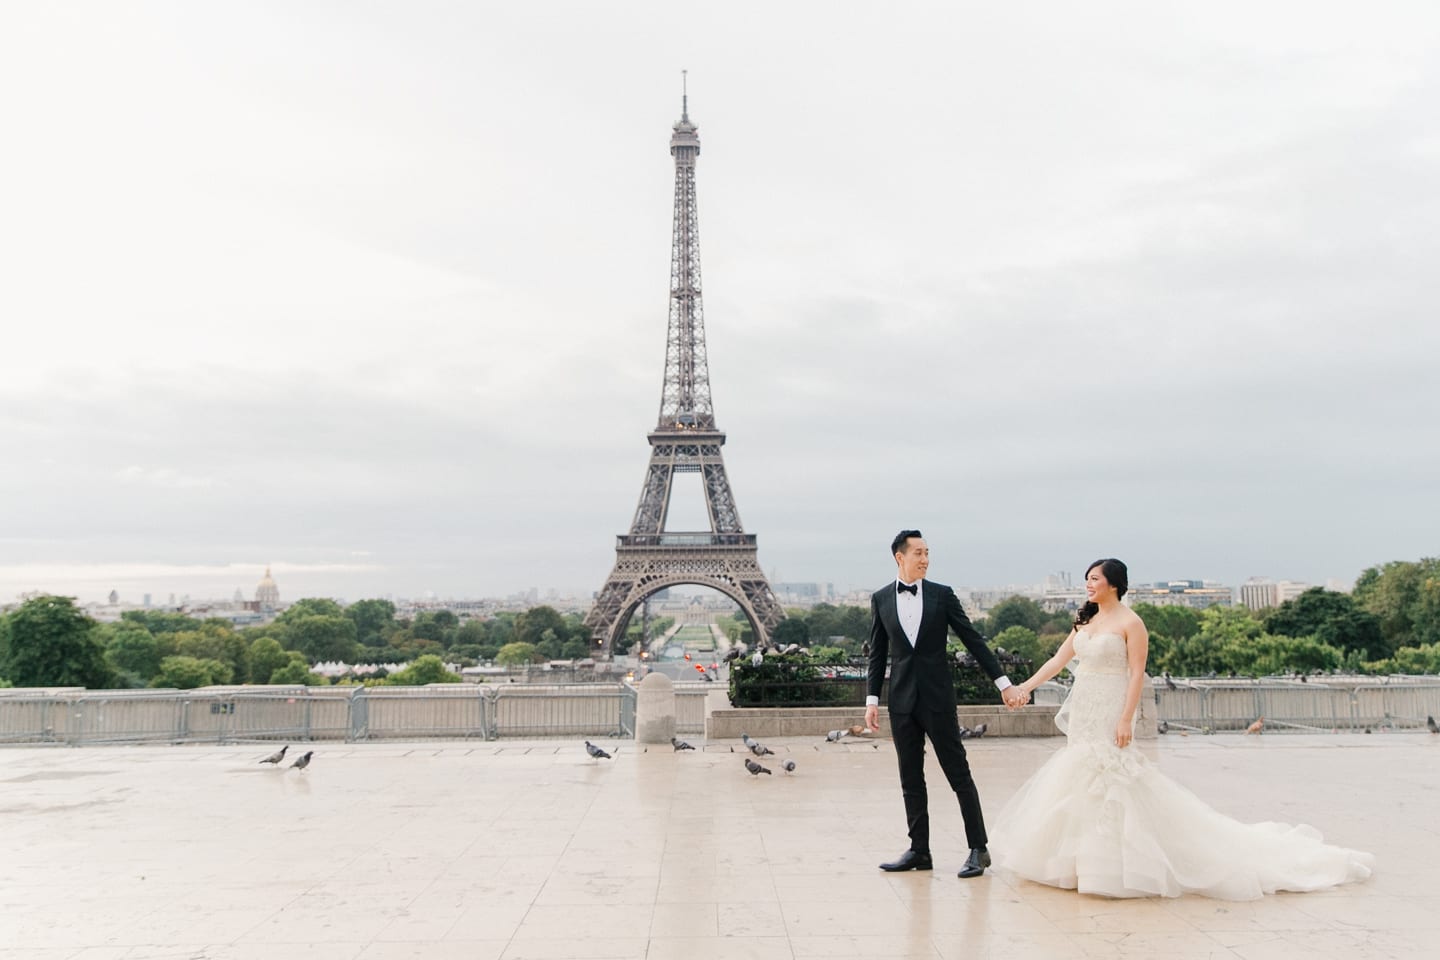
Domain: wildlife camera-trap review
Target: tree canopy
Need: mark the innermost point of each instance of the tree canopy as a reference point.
(49, 642)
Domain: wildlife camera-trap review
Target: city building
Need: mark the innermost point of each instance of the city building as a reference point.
(804, 594)
(267, 594)
(1197, 594)
(1060, 594)
(1260, 593)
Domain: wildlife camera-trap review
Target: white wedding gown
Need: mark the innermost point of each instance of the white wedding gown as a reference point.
(1103, 820)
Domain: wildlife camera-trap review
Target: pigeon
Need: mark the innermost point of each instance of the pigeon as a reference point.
(754, 768)
(303, 760)
(834, 736)
(1257, 727)
(596, 752)
(1169, 684)
(757, 659)
(789, 766)
(755, 746)
(680, 745)
(789, 649)
(732, 654)
(1432, 725)
(974, 734)
(1164, 727)
(277, 756)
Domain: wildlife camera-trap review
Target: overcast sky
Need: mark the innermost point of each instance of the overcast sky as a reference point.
(377, 292)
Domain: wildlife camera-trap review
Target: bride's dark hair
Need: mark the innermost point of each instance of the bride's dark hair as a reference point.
(1115, 574)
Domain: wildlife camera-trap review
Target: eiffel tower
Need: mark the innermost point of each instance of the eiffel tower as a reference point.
(686, 440)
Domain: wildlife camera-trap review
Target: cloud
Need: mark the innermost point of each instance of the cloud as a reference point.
(395, 289)
(162, 477)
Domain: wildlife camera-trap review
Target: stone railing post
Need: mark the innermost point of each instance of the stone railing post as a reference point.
(655, 709)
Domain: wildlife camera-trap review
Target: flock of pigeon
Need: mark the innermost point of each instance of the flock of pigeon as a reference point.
(761, 751)
(301, 762)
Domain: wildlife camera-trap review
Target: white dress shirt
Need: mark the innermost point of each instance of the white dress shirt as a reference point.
(909, 608)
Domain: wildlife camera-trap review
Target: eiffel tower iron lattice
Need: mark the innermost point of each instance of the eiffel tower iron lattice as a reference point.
(686, 440)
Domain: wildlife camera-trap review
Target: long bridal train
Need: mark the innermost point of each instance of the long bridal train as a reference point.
(1102, 820)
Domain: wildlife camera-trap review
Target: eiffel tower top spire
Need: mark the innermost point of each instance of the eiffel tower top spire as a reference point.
(685, 398)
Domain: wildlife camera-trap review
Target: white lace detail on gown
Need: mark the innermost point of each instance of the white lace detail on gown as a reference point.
(1106, 821)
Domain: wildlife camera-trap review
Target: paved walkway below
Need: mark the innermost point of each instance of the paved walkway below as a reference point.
(506, 850)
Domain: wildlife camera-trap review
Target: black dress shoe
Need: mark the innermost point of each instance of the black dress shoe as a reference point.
(976, 863)
(909, 860)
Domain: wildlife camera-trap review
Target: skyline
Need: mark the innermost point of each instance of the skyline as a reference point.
(378, 295)
(212, 585)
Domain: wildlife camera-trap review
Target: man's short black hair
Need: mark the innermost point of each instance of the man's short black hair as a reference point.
(899, 545)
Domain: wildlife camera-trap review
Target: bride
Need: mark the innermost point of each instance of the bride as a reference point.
(1099, 818)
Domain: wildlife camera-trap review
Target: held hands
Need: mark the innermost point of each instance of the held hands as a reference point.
(1015, 697)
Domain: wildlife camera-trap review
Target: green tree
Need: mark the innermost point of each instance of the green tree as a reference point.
(792, 629)
(374, 620)
(267, 656)
(516, 654)
(500, 629)
(575, 649)
(1024, 642)
(296, 672)
(133, 649)
(1015, 612)
(1222, 644)
(427, 627)
(216, 640)
(472, 633)
(323, 637)
(531, 625)
(1270, 654)
(1332, 619)
(48, 642)
(1406, 597)
(426, 669)
(187, 673)
(1172, 623)
(1411, 660)
(161, 622)
(310, 607)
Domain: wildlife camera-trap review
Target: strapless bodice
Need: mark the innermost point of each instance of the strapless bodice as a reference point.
(1101, 653)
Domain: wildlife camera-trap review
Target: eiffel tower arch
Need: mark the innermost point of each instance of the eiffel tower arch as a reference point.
(650, 558)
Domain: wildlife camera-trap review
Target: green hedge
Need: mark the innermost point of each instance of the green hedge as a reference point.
(830, 680)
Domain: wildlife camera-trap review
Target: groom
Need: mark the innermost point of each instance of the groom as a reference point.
(911, 618)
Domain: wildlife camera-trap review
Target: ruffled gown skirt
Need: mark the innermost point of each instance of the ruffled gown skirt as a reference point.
(1102, 820)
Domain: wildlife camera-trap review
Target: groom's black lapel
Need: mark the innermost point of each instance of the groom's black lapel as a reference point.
(929, 610)
(890, 613)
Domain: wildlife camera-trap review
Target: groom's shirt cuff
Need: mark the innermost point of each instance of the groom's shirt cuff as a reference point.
(872, 701)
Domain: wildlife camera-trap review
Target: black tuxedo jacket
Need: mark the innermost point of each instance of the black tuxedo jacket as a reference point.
(920, 676)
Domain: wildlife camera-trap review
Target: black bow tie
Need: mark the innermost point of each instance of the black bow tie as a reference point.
(908, 588)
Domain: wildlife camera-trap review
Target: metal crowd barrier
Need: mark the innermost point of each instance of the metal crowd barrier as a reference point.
(234, 714)
(1324, 704)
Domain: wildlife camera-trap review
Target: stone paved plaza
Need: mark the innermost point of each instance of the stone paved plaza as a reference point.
(533, 850)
